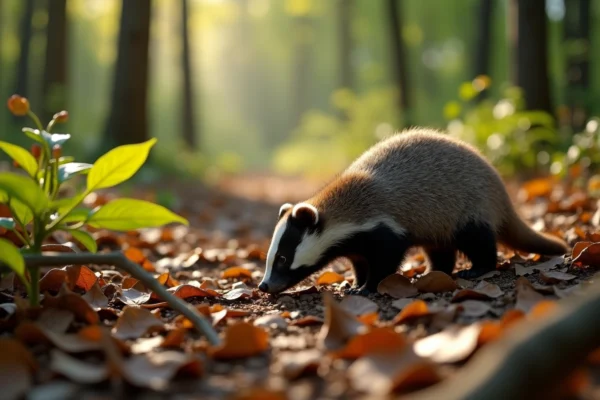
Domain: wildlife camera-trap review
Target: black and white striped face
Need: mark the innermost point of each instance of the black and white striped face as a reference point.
(295, 249)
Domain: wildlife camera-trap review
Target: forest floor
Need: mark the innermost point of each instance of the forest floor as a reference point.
(301, 344)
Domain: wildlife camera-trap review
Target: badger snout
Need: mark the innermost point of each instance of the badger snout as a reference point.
(264, 287)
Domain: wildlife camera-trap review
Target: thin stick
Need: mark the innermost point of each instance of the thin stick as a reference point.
(120, 261)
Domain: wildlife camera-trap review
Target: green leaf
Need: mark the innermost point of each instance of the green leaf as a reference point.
(35, 135)
(7, 223)
(20, 211)
(78, 215)
(85, 239)
(25, 190)
(128, 214)
(118, 165)
(67, 171)
(55, 138)
(11, 256)
(22, 157)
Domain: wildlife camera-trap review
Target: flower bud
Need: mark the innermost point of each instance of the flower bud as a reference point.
(36, 150)
(61, 117)
(18, 105)
(56, 151)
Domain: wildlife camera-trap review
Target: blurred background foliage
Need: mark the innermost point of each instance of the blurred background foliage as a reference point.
(304, 86)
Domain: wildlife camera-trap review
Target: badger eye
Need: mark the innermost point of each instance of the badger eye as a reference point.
(280, 260)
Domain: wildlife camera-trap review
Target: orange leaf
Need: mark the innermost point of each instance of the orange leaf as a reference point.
(241, 340)
(174, 338)
(237, 272)
(416, 309)
(186, 291)
(369, 319)
(136, 255)
(309, 320)
(130, 282)
(510, 317)
(329, 277)
(66, 300)
(490, 331)
(589, 255)
(543, 308)
(167, 280)
(382, 340)
(537, 188)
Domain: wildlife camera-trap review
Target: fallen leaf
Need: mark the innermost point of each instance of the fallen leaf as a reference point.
(521, 270)
(237, 272)
(146, 345)
(553, 277)
(241, 340)
(186, 291)
(527, 296)
(550, 264)
(489, 275)
(82, 277)
(135, 322)
(380, 374)
(542, 308)
(359, 305)
(129, 283)
(174, 338)
(564, 293)
(271, 321)
(77, 370)
(16, 368)
(541, 187)
(95, 297)
(167, 280)
(464, 284)
(66, 300)
(415, 309)
(483, 290)
(490, 331)
(156, 370)
(238, 294)
(397, 286)
(329, 277)
(475, 308)
(340, 325)
(56, 320)
(451, 345)
(309, 320)
(133, 297)
(136, 255)
(510, 317)
(435, 282)
(401, 303)
(299, 363)
(383, 340)
(579, 247)
(259, 393)
(220, 315)
(33, 333)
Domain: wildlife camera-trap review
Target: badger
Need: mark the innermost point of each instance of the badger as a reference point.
(419, 187)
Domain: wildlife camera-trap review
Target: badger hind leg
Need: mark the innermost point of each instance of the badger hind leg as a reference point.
(477, 241)
(441, 259)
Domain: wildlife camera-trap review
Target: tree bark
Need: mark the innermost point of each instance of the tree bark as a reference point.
(128, 120)
(577, 41)
(484, 41)
(345, 42)
(54, 89)
(22, 86)
(399, 59)
(189, 128)
(530, 54)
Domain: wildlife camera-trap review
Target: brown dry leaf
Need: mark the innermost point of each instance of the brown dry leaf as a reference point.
(96, 298)
(579, 247)
(511, 317)
(382, 340)
(329, 277)
(590, 255)
(241, 340)
(541, 187)
(66, 300)
(16, 368)
(136, 255)
(222, 314)
(77, 370)
(33, 333)
(475, 308)
(397, 286)
(273, 321)
(451, 345)
(56, 320)
(209, 284)
(553, 277)
(416, 309)
(483, 290)
(521, 270)
(156, 370)
(133, 297)
(548, 265)
(401, 303)
(594, 357)
(237, 272)
(259, 393)
(435, 282)
(240, 293)
(490, 331)
(340, 325)
(358, 305)
(167, 280)
(296, 364)
(542, 308)
(382, 373)
(527, 296)
(174, 338)
(369, 319)
(129, 283)
(135, 322)
(74, 275)
(309, 320)
(186, 291)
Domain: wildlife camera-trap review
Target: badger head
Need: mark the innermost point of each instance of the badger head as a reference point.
(297, 248)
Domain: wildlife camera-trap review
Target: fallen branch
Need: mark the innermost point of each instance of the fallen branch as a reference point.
(532, 359)
(119, 260)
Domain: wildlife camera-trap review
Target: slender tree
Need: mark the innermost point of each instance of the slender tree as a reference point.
(529, 40)
(128, 120)
(345, 42)
(484, 40)
(577, 41)
(399, 59)
(54, 86)
(189, 127)
(22, 86)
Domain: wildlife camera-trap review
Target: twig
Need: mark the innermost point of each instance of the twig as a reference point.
(120, 261)
(532, 359)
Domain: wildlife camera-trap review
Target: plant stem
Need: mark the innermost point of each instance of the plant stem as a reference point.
(123, 263)
(57, 221)
(36, 120)
(34, 272)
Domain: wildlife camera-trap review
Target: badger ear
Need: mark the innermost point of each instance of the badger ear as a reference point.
(307, 213)
(284, 208)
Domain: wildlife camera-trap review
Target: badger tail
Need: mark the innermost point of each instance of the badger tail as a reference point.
(516, 234)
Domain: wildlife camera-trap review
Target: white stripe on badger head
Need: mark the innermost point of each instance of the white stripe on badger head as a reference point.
(313, 246)
(279, 230)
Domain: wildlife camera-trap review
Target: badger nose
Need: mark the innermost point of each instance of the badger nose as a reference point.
(263, 287)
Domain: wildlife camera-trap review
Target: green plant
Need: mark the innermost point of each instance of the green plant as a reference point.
(36, 203)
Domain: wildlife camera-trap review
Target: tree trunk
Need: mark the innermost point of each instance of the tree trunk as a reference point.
(189, 131)
(399, 59)
(128, 121)
(22, 86)
(345, 42)
(530, 54)
(577, 42)
(301, 65)
(484, 41)
(54, 89)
